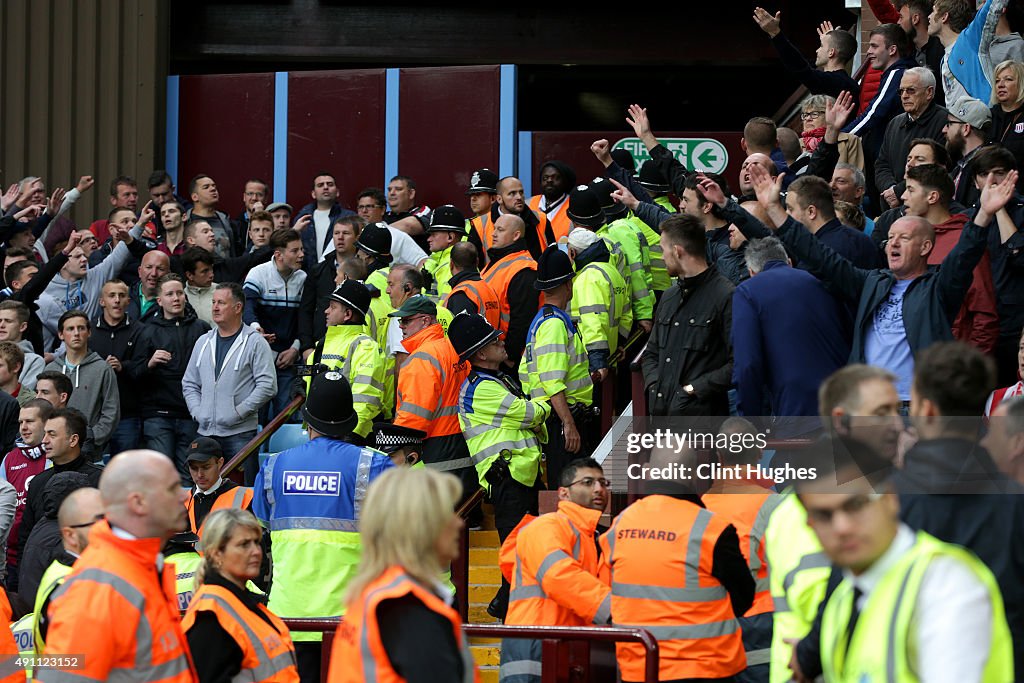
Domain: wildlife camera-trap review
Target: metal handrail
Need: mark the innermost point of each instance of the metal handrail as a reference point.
(614, 634)
(257, 441)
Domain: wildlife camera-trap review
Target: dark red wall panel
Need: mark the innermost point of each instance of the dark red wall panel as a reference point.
(335, 123)
(226, 129)
(449, 127)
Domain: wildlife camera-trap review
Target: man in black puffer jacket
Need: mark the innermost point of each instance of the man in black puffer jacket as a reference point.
(161, 355)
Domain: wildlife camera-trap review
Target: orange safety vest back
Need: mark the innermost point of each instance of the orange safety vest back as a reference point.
(483, 297)
(238, 498)
(268, 655)
(358, 654)
(429, 384)
(554, 577)
(10, 672)
(499, 274)
(657, 556)
(749, 513)
(560, 223)
(120, 613)
(484, 227)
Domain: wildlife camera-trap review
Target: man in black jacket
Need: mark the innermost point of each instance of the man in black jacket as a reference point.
(162, 351)
(687, 364)
(200, 234)
(113, 339)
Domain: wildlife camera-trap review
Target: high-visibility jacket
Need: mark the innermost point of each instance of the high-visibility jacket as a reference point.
(561, 225)
(484, 227)
(444, 318)
(238, 498)
(309, 498)
(120, 612)
(499, 274)
(628, 260)
(798, 579)
(379, 279)
(358, 654)
(52, 579)
(600, 306)
(664, 202)
(429, 384)
(882, 643)
(10, 671)
(555, 359)
(268, 655)
(185, 567)
(348, 349)
(439, 265)
(657, 556)
(497, 418)
(377, 329)
(25, 642)
(650, 241)
(483, 297)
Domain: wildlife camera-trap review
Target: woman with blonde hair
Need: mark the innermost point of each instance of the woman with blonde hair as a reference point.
(1008, 108)
(400, 623)
(230, 632)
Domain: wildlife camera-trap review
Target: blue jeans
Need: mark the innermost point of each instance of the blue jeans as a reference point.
(171, 436)
(279, 401)
(126, 436)
(234, 443)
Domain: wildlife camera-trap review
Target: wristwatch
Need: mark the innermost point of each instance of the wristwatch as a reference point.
(689, 389)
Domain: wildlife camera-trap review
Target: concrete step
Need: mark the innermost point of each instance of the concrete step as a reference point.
(486, 655)
(483, 538)
(478, 615)
(484, 576)
(489, 675)
(483, 557)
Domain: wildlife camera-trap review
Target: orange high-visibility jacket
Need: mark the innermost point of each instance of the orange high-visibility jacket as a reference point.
(117, 610)
(484, 227)
(483, 297)
(749, 513)
(499, 274)
(239, 498)
(268, 655)
(560, 223)
(663, 583)
(358, 654)
(429, 384)
(10, 671)
(554, 578)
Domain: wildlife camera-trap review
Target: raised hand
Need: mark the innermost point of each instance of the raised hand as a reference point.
(638, 120)
(769, 24)
(30, 213)
(825, 27)
(84, 183)
(711, 190)
(766, 188)
(148, 213)
(74, 239)
(301, 224)
(56, 199)
(995, 197)
(839, 111)
(624, 196)
(601, 149)
(8, 198)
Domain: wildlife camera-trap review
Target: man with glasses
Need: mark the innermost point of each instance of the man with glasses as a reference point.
(551, 562)
(370, 205)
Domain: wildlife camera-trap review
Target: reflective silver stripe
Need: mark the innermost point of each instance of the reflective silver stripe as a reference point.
(45, 675)
(762, 584)
(780, 604)
(505, 317)
(497, 448)
(152, 673)
(364, 379)
(598, 346)
(604, 611)
(714, 629)
(666, 594)
(594, 308)
(522, 667)
(418, 411)
(551, 375)
(449, 465)
(419, 355)
(369, 661)
(445, 411)
(316, 523)
(553, 557)
(573, 384)
(809, 561)
(9, 664)
(890, 657)
(762, 656)
(527, 592)
(613, 315)
(502, 410)
(362, 480)
(548, 348)
(267, 666)
(268, 480)
(363, 398)
(757, 531)
(693, 545)
(239, 498)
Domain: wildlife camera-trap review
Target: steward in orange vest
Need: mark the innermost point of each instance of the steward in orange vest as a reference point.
(469, 292)
(551, 563)
(205, 462)
(511, 274)
(10, 672)
(538, 233)
(360, 654)
(556, 179)
(676, 570)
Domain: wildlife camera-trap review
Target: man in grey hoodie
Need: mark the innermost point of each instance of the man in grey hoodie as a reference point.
(14, 317)
(95, 394)
(230, 376)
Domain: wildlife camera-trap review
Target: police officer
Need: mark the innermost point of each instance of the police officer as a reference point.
(180, 550)
(624, 233)
(447, 228)
(374, 248)
(555, 366)
(503, 428)
(404, 445)
(301, 497)
(347, 348)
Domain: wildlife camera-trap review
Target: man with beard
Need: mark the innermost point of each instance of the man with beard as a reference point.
(556, 179)
(967, 127)
(537, 232)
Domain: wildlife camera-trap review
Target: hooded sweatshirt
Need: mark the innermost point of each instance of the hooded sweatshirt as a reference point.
(33, 365)
(201, 299)
(179, 337)
(95, 394)
(227, 403)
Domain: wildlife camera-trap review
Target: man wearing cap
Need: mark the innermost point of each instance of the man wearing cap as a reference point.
(600, 305)
(446, 229)
(482, 192)
(503, 428)
(281, 213)
(324, 210)
(428, 390)
(556, 179)
(212, 492)
(555, 366)
(347, 348)
(537, 232)
(309, 498)
(374, 248)
(968, 123)
(404, 445)
(511, 274)
(469, 292)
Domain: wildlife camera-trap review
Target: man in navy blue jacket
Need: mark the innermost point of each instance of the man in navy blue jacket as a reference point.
(319, 216)
(787, 337)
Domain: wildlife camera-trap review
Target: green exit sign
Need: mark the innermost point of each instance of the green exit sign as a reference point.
(698, 154)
